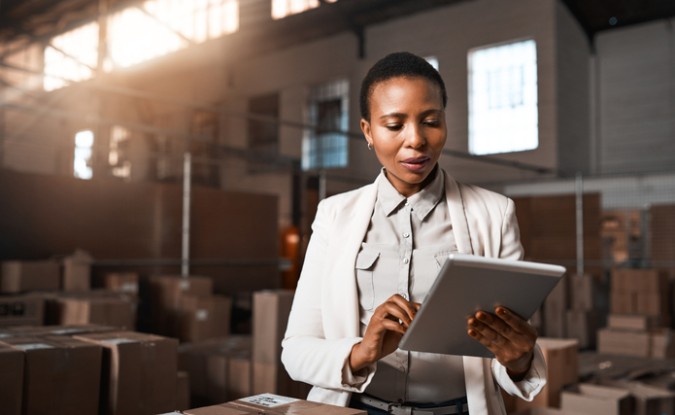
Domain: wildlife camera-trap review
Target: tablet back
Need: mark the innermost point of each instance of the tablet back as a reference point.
(467, 283)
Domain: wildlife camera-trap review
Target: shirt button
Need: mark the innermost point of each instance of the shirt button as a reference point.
(406, 260)
(406, 235)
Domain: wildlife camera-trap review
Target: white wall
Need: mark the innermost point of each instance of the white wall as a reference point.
(636, 98)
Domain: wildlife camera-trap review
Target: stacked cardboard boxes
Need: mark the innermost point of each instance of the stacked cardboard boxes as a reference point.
(24, 276)
(584, 316)
(588, 399)
(93, 307)
(270, 318)
(561, 356)
(661, 231)
(139, 372)
(187, 309)
(124, 282)
(61, 375)
(22, 310)
(203, 318)
(11, 379)
(640, 315)
(219, 369)
(77, 271)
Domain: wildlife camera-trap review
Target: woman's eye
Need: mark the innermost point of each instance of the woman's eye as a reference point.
(393, 127)
(431, 123)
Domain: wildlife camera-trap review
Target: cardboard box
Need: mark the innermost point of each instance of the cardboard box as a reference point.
(124, 282)
(119, 312)
(182, 390)
(633, 322)
(555, 307)
(583, 325)
(273, 405)
(22, 276)
(594, 399)
(203, 318)
(220, 369)
(562, 362)
(270, 317)
(654, 304)
(11, 379)
(648, 399)
(140, 372)
(623, 303)
(61, 375)
(166, 293)
(77, 271)
(57, 330)
(662, 344)
(20, 310)
(583, 292)
(624, 342)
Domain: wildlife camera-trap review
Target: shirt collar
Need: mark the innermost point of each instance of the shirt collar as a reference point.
(422, 202)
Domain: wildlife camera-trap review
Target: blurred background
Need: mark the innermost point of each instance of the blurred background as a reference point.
(152, 143)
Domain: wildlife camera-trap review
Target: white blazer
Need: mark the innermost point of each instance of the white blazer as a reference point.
(324, 321)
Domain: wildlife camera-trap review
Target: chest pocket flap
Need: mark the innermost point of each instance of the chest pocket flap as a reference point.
(366, 259)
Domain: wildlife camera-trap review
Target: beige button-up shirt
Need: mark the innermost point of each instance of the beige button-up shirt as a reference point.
(405, 245)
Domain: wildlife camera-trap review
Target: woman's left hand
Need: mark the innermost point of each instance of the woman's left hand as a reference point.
(508, 336)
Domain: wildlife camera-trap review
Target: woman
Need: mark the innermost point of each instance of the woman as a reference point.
(374, 253)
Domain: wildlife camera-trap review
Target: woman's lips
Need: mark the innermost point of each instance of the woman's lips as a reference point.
(416, 163)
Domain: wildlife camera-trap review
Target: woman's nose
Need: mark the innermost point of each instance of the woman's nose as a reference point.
(415, 138)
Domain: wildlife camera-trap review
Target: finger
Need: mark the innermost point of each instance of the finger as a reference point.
(484, 340)
(513, 320)
(398, 307)
(394, 326)
(393, 311)
(508, 350)
(409, 307)
(515, 329)
(486, 331)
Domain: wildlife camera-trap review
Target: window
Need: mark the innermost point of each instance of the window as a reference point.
(326, 146)
(137, 34)
(503, 113)
(71, 56)
(283, 8)
(158, 27)
(84, 142)
(118, 156)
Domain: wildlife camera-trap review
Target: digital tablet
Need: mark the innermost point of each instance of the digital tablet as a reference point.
(467, 283)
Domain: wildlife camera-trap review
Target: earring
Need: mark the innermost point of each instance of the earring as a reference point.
(370, 146)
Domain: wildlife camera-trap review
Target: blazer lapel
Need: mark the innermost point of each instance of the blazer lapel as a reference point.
(455, 204)
(350, 231)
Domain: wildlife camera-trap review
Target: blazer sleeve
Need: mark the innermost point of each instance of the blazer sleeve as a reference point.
(535, 379)
(511, 248)
(307, 354)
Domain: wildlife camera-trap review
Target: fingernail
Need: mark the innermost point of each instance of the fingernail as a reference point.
(501, 311)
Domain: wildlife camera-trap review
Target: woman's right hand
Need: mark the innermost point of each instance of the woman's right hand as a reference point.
(389, 322)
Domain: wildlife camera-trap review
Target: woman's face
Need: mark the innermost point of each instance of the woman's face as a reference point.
(406, 130)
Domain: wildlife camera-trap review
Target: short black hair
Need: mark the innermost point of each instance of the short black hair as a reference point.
(404, 64)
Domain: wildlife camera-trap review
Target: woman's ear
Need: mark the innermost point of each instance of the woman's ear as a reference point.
(365, 128)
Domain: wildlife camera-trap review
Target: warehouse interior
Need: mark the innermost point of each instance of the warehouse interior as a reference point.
(161, 163)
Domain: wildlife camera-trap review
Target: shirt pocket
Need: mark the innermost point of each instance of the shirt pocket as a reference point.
(365, 265)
